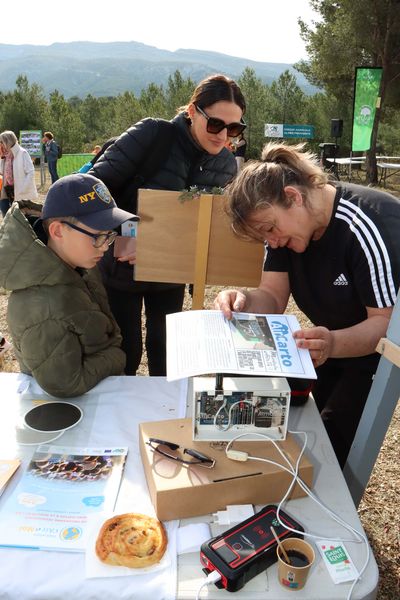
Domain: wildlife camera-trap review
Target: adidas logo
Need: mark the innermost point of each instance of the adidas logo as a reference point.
(341, 280)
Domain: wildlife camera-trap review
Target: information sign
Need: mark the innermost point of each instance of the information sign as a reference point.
(283, 130)
(32, 142)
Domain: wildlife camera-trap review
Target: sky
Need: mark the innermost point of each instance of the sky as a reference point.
(263, 30)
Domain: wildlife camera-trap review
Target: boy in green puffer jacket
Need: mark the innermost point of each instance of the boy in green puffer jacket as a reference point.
(62, 328)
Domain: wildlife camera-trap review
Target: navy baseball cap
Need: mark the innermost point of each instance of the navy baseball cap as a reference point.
(87, 199)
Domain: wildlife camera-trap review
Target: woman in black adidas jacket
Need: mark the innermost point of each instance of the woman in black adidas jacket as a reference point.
(156, 154)
(336, 249)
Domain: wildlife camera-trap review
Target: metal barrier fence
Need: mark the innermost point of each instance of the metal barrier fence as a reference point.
(70, 163)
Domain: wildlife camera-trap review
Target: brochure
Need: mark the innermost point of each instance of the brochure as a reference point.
(204, 341)
(7, 470)
(61, 492)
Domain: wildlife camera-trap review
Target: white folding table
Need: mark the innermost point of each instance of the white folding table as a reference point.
(112, 412)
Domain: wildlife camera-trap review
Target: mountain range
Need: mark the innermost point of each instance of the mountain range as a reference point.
(108, 69)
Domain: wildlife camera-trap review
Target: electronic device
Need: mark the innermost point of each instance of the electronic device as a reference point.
(241, 405)
(246, 549)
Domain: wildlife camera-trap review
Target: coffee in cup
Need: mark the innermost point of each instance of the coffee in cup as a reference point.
(293, 573)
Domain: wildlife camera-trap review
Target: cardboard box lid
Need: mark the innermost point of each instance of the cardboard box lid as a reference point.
(168, 474)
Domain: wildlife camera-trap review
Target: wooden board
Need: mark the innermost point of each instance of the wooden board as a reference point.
(389, 350)
(167, 243)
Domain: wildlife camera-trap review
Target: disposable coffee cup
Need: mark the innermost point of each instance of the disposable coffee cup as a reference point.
(301, 555)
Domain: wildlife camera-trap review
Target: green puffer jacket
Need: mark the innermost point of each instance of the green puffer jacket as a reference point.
(61, 325)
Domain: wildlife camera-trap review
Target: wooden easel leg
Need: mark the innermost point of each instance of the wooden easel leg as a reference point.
(202, 245)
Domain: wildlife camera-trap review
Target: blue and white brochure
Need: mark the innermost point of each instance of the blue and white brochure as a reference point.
(61, 491)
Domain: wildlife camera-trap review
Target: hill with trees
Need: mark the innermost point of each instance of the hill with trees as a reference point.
(87, 92)
(109, 69)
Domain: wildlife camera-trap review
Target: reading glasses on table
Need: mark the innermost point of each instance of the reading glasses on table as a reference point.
(170, 450)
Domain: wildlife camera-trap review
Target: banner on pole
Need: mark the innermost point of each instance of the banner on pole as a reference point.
(366, 94)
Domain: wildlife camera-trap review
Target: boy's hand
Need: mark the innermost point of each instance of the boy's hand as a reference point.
(130, 258)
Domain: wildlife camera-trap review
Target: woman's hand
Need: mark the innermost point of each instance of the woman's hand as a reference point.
(130, 258)
(358, 340)
(318, 340)
(230, 300)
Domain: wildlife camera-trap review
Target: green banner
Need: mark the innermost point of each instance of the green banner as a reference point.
(366, 94)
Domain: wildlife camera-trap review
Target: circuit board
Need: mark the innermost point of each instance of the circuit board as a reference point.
(243, 405)
(240, 409)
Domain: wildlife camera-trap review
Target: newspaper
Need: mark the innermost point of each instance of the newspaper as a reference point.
(204, 341)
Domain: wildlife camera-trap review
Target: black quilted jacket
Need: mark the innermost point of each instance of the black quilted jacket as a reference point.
(186, 165)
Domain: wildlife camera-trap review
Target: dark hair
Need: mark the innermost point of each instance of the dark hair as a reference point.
(261, 184)
(216, 88)
(48, 134)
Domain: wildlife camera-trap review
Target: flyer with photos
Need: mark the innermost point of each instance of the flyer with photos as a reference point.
(61, 491)
(204, 341)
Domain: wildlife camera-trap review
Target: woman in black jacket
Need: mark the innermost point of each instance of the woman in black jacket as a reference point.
(194, 155)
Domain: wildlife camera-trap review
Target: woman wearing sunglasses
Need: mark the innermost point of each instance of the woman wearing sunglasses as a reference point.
(189, 151)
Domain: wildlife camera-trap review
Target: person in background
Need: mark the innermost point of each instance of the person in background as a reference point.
(196, 156)
(336, 248)
(101, 149)
(17, 171)
(229, 145)
(239, 151)
(51, 154)
(62, 328)
(96, 149)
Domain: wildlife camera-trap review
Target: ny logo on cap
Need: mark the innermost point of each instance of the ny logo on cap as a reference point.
(99, 191)
(87, 197)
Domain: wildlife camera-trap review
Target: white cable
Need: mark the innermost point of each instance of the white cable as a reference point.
(212, 577)
(229, 412)
(218, 425)
(203, 585)
(263, 435)
(232, 407)
(294, 471)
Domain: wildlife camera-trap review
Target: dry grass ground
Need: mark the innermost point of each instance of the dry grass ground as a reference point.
(379, 508)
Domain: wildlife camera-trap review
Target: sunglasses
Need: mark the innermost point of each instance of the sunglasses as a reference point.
(217, 125)
(169, 450)
(98, 239)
